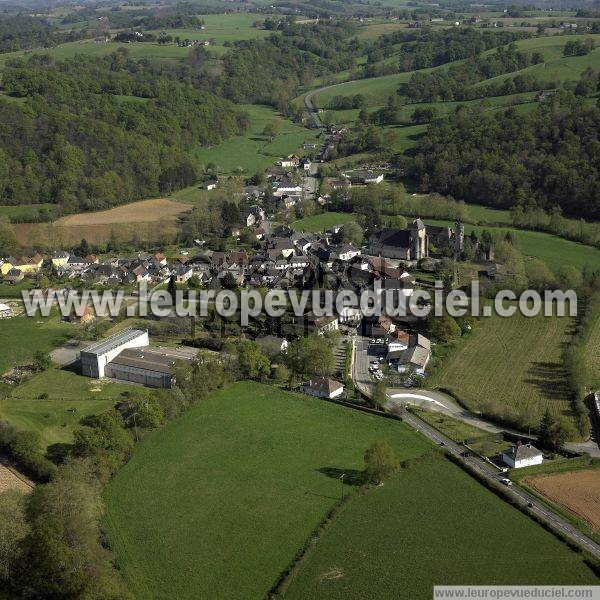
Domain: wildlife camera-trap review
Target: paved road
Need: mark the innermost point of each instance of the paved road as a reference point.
(491, 474)
(362, 380)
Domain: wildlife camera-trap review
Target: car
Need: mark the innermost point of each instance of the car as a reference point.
(378, 375)
(506, 482)
(530, 505)
(442, 443)
(375, 363)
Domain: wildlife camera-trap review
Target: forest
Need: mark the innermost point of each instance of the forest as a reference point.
(19, 32)
(95, 132)
(547, 158)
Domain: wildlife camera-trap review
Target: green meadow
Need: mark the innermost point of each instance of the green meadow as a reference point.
(230, 491)
(432, 524)
(554, 251)
(253, 152)
(322, 221)
(21, 336)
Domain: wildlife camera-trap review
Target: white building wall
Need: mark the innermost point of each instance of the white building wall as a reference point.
(102, 360)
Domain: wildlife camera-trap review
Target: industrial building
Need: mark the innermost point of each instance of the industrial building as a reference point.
(95, 357)
(127, 356)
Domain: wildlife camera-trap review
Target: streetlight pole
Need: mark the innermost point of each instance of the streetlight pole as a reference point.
(342, 482)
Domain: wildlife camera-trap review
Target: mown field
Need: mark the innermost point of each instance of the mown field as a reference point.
(431, 525)
(216, 504)
(321, 222)
(254, 152)
(510, 364)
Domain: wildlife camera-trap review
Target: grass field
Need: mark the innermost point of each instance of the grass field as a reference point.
(70, 398)
(554, 251)
(29, 210)
(229, 492)
(592, 348)
(431, 525)
(481, 441)
(21, 336)
(254, 152)
(321, 222)
(512, 363)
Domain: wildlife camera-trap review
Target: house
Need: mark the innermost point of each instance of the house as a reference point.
(253, 215)
(60, 258)
(291, 162)
(414, 358)
(183, 273)
(30, 265)
(522, 455)
(6, 265)
(323, 387)
(364, 177)
(211, 184)
(5, 311)
(286, 187)
(13, 276)
(399, 340)
(320, 325)
(272, 345)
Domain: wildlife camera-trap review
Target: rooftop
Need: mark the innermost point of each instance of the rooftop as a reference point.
(114, 341)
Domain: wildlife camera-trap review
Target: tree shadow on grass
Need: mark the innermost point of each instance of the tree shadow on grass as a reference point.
(550, 379)
(351, 476)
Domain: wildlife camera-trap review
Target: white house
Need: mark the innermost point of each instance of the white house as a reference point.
(522, 455)
(322, 387)
(5, 311)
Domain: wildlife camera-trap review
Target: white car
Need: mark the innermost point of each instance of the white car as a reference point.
(506, 481)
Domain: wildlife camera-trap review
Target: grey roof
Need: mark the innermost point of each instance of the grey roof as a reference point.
(523, 452)
(416, 355)
(114, 341)
(140, 358)
(398, 238)
(323, 384)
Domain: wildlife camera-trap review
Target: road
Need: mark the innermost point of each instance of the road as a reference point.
(439, 402)
(362, 380)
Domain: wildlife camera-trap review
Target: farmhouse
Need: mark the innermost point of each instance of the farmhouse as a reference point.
(322, 388)
(522, 455)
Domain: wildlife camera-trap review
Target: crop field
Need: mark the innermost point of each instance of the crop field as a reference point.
(146, 219)
(424, 527)
(577, 491)
(230, 491)
(513, 364)
(254, 152)
(321, 222)
(21, 336)
(554, 251)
